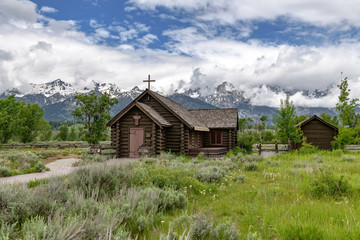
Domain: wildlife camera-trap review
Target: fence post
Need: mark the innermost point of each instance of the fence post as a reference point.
(276, 146)
(259, 146)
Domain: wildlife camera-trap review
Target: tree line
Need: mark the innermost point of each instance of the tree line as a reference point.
(24, 122)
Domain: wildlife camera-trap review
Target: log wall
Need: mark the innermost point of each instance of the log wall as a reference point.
(319, 134)
(173, 133)
(122, 133)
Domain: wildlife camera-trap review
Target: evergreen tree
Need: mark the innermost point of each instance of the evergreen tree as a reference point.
(285, 121)
(346, 107)
(333, 120)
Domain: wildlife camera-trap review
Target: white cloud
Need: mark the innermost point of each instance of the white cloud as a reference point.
(316, 12)
(18, 12)
(47, 9)
(38, 49)
(102, 33)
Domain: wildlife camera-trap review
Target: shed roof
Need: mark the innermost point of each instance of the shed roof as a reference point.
(317, 118)
(217, 118)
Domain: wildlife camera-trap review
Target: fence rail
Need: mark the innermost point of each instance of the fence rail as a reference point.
(41, 145)
(103, 150)
(270, 147)
(275, 147)
(352, 148)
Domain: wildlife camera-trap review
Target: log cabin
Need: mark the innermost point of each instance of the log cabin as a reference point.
(318, 132)
(153, 123)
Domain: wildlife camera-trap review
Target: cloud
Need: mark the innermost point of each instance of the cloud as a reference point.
(41, 45)
(35, 48)
(46, 9)
(5, 56)
(315, 12)
(102, 33)
(18, 11)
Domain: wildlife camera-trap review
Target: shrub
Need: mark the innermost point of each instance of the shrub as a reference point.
(238, 158)
(40, 166)
(307, 148)
(210, 174)
(318, 159)
(235, 151)
(330, 186)
(202, 228)
(36, 182)
(205, 228)
(201, 156)
(166, 156)
(246, 141)
(240, 178)
(253, 158)
(251, 166)
(348, 158)
(164, 177)
(5, 172)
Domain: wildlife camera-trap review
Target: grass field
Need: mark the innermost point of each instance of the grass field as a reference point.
(288, 196)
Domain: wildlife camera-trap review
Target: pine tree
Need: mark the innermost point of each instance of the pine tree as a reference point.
(345, 107)
(285, 121)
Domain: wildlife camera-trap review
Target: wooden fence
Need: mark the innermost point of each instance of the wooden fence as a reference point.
(103, 150)
(270, 147)
(43, 145)
(276, 147)
(352, 148)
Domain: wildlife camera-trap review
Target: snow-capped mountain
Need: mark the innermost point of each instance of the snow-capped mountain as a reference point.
(57, 98)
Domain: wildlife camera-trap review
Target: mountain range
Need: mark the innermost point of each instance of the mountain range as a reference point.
(57, 98)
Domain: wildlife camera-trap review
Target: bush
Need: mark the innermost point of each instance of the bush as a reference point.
(307, 148)
(205, 228)
(5, 172)
(202, 228)
(166, 156)
(40, 166)
(251, 166)
(253, 158)
(210, 174)
(348, 158)
(240, 178)
(246, 141)
(330, 186)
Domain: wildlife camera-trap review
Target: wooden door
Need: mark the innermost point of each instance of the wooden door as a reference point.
(136, 140)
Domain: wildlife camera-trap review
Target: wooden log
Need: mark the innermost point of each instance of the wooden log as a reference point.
(182, 139)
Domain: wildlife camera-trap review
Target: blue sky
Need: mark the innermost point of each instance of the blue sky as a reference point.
(298, 44)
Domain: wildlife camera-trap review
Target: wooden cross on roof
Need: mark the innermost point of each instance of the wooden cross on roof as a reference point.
(148, 81)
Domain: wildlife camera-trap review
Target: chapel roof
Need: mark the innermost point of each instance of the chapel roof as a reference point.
(217, 118)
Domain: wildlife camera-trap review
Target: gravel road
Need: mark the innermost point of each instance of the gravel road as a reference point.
(59, 167)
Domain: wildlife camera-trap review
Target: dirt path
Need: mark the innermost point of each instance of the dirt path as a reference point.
(59, 167)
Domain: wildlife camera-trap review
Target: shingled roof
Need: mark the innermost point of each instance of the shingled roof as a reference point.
(180, 112)
(318, 118)
(217, 118)
(154, 114)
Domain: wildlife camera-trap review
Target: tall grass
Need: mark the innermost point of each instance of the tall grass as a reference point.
(298, 195)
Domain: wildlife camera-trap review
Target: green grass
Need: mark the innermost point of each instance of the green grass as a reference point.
(288, 196)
